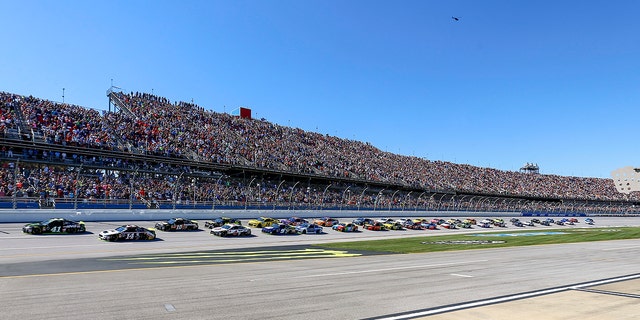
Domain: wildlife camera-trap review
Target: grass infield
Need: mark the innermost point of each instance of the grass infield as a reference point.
(507, 238)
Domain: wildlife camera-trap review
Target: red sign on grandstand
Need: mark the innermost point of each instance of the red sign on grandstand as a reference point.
(245, 113)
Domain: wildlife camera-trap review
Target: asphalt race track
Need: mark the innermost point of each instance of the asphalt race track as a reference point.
(195, 275)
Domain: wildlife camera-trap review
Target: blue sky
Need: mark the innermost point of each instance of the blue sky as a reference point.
(556, 83)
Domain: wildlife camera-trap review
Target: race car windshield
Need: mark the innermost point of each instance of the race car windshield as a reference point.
(122, 228)
(226, 226)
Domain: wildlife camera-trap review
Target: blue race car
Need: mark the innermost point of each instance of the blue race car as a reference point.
(280, 228)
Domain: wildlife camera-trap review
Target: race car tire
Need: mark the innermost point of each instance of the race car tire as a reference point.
(304, 231)
(113, 238)
(36, 231)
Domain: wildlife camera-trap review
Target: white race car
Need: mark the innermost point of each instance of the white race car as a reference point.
(231, 230)
(128, 232)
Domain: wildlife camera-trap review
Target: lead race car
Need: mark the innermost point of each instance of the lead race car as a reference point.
(128, 232)
(54, 225)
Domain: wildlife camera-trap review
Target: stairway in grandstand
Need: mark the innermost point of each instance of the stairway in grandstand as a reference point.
(23, 131)
(120, 105)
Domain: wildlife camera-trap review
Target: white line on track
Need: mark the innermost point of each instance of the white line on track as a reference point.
(507, 298)
(51, 247)
(390, 269)
(621, 248)
(461, 275)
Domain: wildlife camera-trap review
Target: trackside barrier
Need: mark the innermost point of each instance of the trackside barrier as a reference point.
(31, 215)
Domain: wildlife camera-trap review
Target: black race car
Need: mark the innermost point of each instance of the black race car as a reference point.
(180, 224)
(54, 225)
(220, 221)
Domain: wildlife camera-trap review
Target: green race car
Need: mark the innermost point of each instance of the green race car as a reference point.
(54, 225)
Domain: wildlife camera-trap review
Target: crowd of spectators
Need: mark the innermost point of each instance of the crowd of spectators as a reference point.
(59, 183)
(155, 125)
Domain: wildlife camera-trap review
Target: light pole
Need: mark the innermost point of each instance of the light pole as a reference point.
(62, 95)
(213, 205)
(418, 201)
(75, 194)
(361, 195)
(175, 189)
(323, 193)
(375, 203)
(291, 195)
(275, 201)
(392, 196)
(246, 200)
(343, 193)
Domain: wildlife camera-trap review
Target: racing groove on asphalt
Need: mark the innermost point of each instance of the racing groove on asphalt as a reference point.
(181, 259)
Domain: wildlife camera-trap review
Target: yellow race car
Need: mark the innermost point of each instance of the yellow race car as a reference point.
(262, 222)
(394, 226)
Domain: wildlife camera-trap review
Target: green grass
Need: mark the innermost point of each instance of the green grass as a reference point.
(426, 243)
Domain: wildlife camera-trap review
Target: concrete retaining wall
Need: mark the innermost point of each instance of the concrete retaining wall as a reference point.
(27, 215)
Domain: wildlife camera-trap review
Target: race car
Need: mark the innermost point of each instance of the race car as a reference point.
(128, 232)
(230, 230)
(545, 222)
(589, 221)
(470, 221)
(220, 221)
(262, 222)
(486, 223)
(409, 224)
(310, 228)
(294, 221)
(498, 222)
(393, 225)
(517, 223)
(574, 220)
(177, 224)
(280, 228)
(363, 221)
(345, 227)
(448, 225)
(464, 224)
(54, 225)
(430, 226)
(535, 220)
(376, 226)
(326, 222)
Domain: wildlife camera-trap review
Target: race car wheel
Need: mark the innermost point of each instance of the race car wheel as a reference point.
(304, 231)
(113, 238)
(36, 231)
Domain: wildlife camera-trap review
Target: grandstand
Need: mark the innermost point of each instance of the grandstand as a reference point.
(150, 152)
